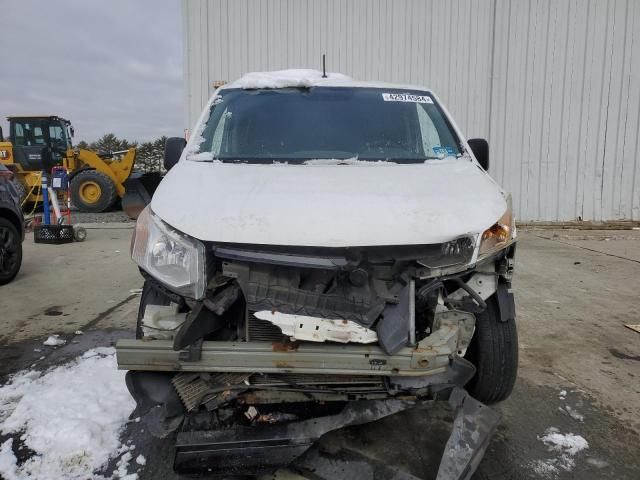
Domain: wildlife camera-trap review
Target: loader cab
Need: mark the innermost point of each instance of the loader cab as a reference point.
(39, 142)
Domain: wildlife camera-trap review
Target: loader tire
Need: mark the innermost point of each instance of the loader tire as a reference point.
(93, 191)
(150, 296)
(494, 352)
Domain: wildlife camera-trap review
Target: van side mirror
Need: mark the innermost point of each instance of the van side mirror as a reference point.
(480, 149)
(173, 148)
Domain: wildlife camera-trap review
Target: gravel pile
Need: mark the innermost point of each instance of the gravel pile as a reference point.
(105, 217)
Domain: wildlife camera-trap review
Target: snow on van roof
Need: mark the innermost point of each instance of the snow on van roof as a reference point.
(285, 78)
(304, 78)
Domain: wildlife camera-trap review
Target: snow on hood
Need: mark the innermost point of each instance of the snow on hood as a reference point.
(299, 78)
(329, 205)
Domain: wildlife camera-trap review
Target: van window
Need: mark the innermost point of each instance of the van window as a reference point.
(327, 123)
(430, 137)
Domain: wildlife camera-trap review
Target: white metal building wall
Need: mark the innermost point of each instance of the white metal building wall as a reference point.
(553, 84)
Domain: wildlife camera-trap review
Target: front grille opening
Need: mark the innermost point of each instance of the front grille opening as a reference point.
(261, 330)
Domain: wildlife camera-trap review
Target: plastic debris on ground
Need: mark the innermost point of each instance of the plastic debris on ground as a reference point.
(635, 328)
(54, 341)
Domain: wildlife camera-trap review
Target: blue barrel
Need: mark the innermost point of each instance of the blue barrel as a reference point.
(59, 178)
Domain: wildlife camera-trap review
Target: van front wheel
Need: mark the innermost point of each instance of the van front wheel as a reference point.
(494, 352)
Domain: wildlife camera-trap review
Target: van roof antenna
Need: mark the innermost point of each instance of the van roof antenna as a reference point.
(324, 66)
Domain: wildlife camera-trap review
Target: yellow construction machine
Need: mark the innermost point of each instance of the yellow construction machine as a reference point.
(38, 143)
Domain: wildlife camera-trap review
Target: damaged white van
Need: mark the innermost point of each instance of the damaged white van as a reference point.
(322, 250)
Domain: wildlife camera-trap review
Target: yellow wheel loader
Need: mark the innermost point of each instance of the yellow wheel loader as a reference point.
(38, 143)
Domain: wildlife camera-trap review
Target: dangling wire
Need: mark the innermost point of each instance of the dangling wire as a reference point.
(31, 190)
(35, 204)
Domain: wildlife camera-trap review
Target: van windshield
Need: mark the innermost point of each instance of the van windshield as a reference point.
(295, 125)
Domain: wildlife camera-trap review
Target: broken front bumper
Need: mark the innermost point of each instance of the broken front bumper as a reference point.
(433, 368)
(430, 356)
(247, 451)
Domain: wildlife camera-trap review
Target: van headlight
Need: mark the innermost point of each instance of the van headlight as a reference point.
(500, 235)
(454, 252)
(171, 257)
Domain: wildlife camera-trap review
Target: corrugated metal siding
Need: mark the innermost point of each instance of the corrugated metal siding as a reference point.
(565, 113)
(553, 84)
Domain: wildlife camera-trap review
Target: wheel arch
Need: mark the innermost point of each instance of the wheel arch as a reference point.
(77, 171)
(14, 218)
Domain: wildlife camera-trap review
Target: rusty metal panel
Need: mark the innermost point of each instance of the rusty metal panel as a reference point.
(553, 84)
(306, 358)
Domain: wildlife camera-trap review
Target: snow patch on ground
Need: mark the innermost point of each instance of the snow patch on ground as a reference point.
(544, 468)
(596, 462)
(566, 445)
(123, 467)
(573, 413)
(54, 341)
(70, 416)
(294, 78)
(8, 462)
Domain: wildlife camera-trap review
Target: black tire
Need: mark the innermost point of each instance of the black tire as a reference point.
(494, 352)
(81, 193)
(150, 296)
(10, 251)
(79, 234)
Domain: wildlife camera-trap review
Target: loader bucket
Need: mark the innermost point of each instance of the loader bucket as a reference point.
(139, 189)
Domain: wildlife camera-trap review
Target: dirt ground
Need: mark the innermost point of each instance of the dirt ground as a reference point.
(575, 291)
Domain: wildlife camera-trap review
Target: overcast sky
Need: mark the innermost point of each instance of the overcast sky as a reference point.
(108, 66)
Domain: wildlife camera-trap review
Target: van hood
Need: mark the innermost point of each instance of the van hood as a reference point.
(329, 205)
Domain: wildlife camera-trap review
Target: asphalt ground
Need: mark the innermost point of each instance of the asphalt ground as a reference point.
(575, 291)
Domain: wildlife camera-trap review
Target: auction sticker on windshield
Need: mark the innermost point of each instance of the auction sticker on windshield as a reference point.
(406, 97)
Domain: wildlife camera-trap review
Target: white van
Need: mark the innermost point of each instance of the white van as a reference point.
(321, 241)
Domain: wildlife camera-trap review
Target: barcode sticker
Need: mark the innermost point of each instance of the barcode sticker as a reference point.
(406, 97)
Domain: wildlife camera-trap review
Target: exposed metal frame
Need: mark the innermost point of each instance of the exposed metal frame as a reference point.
(432, 355)
(266, 357)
